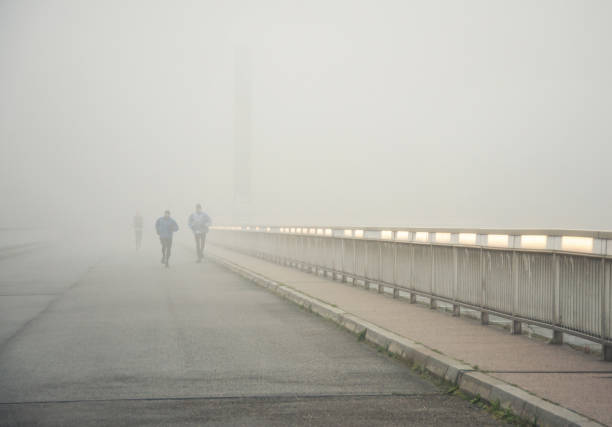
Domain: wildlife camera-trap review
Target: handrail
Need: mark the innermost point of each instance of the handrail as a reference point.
(585, 242)
(600, 234)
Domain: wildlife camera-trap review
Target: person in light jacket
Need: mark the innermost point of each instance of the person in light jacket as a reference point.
(166, 227)
(199, 221)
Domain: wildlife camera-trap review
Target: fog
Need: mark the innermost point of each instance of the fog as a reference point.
(418, 113)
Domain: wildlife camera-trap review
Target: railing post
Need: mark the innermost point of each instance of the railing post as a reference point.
(557, 337)
(343, 276)
(484, 316)
(354, 263)
(294, 252)
(366, 282)
(334, 263)
(315, 255)
(433, 304)
(381, 288)
(395, 289)
(411, 283)
(456, 307)
(517, 326)
(606, 349)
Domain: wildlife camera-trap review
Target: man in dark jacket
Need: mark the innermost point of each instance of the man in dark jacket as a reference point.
(165, 227)
(199, 221)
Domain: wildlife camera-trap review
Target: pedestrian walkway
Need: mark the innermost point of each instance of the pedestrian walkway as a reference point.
(572, 379)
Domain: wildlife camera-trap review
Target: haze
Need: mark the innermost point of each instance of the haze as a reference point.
(418, 113)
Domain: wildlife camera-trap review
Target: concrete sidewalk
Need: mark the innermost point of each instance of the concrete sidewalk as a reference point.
(572, 379)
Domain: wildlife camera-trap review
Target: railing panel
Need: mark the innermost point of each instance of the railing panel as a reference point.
(360, 258)
(314, 251)
(388, 262)
(469, 287)
(262, 243)
(319, 251)
(373, 260)
(298, 253)
(404, 267)
(536, 286)
(327, 252)
(284, 246)
(498, 281)
(338, 251)
(422, 268)
(292, 244)
(580, 287)
(444, 271)
(348, 256)
(310, 250)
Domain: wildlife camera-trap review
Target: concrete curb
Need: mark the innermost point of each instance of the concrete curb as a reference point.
(522, 403)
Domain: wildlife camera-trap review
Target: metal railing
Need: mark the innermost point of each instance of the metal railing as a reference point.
(558, 279)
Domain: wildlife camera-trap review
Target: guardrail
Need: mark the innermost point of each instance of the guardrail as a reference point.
(558, 279)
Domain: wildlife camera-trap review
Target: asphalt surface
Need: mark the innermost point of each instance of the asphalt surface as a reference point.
(116, 339)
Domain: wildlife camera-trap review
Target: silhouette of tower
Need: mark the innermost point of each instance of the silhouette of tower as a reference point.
(242, 138)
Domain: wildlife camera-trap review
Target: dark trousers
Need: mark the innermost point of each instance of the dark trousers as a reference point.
(200, 243)
(166, 243)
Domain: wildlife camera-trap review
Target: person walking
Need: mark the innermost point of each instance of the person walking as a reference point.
(138, 223)
(165, 227)
(199, 221)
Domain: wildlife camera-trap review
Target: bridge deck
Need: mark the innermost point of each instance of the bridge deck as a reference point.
(129, 342)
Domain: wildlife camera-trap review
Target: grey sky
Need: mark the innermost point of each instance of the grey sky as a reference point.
(476, 113)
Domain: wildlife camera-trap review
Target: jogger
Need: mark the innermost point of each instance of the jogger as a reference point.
(199, 222)
(165, 227)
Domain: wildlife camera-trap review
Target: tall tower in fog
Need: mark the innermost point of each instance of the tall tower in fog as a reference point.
(242, 138)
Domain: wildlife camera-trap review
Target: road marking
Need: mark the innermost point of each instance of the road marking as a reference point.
(236, 397)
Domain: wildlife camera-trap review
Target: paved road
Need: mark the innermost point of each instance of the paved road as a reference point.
(132, 343)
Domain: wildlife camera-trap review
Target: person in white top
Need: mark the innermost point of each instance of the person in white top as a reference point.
(199, 221)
